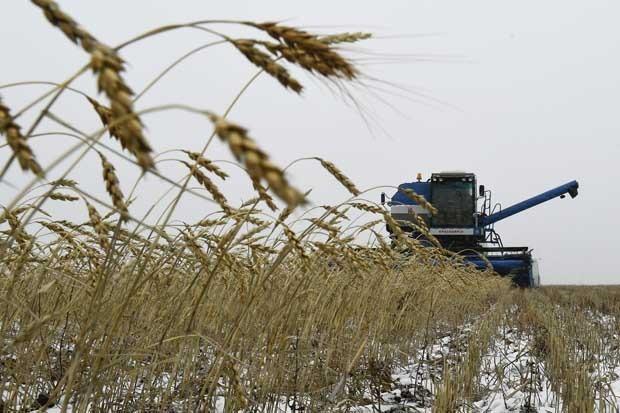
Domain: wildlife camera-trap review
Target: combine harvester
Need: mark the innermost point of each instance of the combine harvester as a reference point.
(466, 230)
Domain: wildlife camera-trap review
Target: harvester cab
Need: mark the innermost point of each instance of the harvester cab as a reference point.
(465, 221)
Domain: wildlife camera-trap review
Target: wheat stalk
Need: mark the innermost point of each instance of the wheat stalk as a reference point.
(331, 229)
(418, 199)
(247, 215)
(206, 163)
(99, 226)
(69, 183)
(75, 227)
(17, 230)
(265, 62)
(334, 211)
(208, 184)
(367, 207)
(263, 194)
(57, 196)
(308, 50)
(346, 37)
(17, 142)
(212, 222)
(112, 186)
(64, 235)
(124, 132)
(105, 114)
(254, 231)
(108, 66)
(290, 235)
(255, 160)
(341, 177)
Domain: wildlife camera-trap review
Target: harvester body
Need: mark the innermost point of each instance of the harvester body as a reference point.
(465, 219)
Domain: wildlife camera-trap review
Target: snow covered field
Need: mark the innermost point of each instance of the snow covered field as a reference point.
(530, 352)
(514, 375)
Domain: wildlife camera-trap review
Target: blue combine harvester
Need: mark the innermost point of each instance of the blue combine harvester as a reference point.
(462, 227)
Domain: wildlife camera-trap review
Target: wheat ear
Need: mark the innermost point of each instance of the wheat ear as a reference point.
(112, 185)
(69, 183)
(18, 142)
(269, 65)
(308, 50)
(346, 37)
(58, 196)
(263, 194)
(255, 160)
(107, 65)
(341, 177)
(418, 199)
(206, 163)
(208, 184)
(99, 226)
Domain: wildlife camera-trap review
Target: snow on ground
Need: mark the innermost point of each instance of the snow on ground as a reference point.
(416, 383)
(511, 378)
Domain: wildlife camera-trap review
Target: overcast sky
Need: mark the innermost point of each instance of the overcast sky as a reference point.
(525, 94)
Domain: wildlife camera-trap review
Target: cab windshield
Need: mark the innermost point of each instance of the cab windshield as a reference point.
(454, 201)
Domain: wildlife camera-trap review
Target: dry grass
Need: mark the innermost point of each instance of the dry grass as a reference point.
(242, 310)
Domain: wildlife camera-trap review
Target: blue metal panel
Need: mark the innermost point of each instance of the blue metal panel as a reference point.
(570, 187)
(518, 268)
(420, 188)
(501, 266)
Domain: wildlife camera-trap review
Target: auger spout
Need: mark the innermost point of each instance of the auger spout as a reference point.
(570, 188)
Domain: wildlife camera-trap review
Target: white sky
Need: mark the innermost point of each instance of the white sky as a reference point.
(530, 96)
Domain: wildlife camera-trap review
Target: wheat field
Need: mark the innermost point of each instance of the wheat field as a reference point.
(275, 304)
